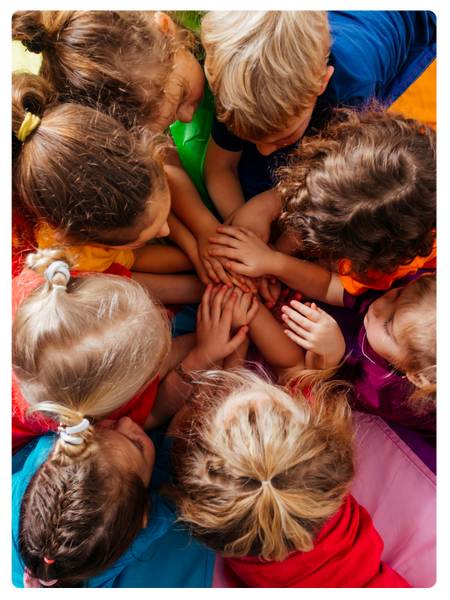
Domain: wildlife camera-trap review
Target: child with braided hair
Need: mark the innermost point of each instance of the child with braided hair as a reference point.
(263, 477)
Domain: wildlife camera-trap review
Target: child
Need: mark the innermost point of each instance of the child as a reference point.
(82, 506)
(277, 74)
(91, 184)
(263, 479)
(137, 67)
(364, 194)
(98, 344)
(395, 374)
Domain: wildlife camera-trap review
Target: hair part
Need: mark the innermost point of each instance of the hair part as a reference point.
(264, 67)
(238, 431)
(81, 514)
(364, 190)
(89, 349)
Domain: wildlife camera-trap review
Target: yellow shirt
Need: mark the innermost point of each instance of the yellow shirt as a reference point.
(89, 257)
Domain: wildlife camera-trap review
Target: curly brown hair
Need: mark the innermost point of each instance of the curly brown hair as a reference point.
(364, 190)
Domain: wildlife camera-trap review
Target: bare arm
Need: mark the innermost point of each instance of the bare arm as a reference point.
(269, 337)
(220, 170)
(258, 213)
(172, 289)
(160, 258)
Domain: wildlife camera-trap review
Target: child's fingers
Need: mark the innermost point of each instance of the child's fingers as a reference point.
(237, 340)
(239, 268)
(233, 232)
(210, 272)
(224, 251)
(313, 314)
(246, 230)
(227, 295)
(297, 339)
(251, 313)
(216, 303)
(225, 240)
(223, 276)
(203, 311)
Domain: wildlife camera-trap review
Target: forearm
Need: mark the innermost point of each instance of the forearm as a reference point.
(258, 213)
(312, 280)
(181, 235)
(161, 258)
(269, 337)
(224, 188)
(172, 289)
(238, 357)
(187, 204)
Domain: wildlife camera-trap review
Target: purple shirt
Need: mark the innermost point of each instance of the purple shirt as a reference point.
(380, 390)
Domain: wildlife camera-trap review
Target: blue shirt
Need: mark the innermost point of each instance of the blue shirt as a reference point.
(159, 519)
(375, 54)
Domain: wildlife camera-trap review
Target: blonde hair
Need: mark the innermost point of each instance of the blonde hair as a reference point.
(86, 350)
(264, 67)
(259, 472)
(418, 341)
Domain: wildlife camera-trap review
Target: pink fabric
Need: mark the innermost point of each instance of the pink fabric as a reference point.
(399, 492)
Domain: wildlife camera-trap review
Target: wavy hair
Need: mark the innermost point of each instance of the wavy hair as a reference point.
(364, 190)
(89, 349)
(264, 67)
(259, 472)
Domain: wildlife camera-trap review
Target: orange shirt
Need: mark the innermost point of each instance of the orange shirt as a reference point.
(378, 281)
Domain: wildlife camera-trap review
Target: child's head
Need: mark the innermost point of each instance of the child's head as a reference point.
(258, 471)
(401, 327)
(89, 348)
(266, 69)
(365, 190)
(85, 505)
(83, 173)
(133, 64)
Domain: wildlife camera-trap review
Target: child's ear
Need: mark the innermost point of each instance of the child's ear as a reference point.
(164, 23)
(328, 73)
(145, 520)
(418, 379)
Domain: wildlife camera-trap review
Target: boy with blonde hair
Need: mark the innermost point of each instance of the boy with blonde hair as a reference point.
(277, 75)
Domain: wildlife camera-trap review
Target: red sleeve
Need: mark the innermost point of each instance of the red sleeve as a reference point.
(139, 407)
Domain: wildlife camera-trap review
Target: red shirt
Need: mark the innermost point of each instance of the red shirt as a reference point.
(346, 553)
(24, 429)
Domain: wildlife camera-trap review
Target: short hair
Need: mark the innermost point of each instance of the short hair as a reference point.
(363, 190)
(238, 433)
(264, 67)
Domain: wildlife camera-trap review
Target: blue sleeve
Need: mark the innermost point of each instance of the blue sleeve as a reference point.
(224, 138)
(372, 50)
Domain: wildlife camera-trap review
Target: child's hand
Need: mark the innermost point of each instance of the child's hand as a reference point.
(283, 300)
(213, 334)
(245, 308)
(270, 290)
(239, 243)
(316, 331)
(212, 266)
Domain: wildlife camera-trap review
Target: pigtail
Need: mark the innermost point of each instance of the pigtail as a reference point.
(258, 474)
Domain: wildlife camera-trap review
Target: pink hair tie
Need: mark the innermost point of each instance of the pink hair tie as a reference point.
(48, 562)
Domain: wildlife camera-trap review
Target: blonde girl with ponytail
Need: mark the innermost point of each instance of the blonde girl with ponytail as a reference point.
(263, 478)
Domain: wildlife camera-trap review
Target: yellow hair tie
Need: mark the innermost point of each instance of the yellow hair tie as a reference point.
(28, 125)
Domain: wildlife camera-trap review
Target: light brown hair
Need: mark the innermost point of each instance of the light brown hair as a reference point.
(80, 170)
(115, 61)
(259, 472)
(88, 349)
(418, 341)
(264, 67)
(364, 190)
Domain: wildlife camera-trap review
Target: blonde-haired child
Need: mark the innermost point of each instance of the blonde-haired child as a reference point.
(96, 345)
(263, 478)
(295, 67)
(136, 66)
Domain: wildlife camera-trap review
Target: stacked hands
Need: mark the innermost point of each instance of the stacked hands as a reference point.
(307, 325)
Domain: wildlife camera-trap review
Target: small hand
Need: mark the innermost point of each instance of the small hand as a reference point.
(245, 308)
(316, 331)
(270, 290)
(255, 257)
(214, 341)
(213, 267)
(283, 300)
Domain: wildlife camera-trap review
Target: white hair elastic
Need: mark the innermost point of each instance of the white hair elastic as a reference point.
(265, 482)
(66, 432)
(58, 266)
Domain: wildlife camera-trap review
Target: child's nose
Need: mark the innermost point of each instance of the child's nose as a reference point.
(266, 149)
(164, 231)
